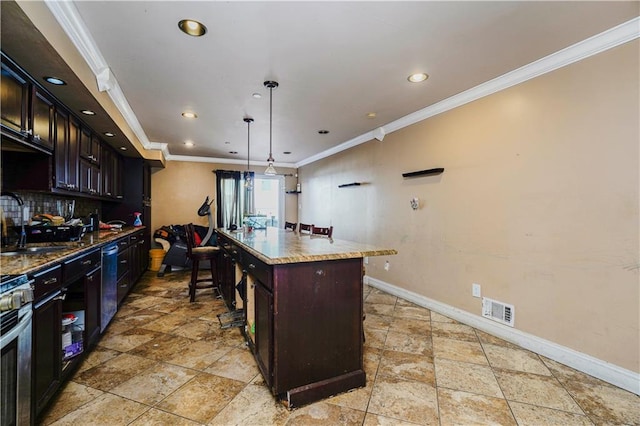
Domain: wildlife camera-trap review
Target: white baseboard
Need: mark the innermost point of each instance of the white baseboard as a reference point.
(610, 373)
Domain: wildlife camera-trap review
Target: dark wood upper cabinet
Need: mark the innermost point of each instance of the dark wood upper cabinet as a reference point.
(42, 114)
(27, 112)
(65, 136)
(14, 101)
(90, 147)
(110, 169)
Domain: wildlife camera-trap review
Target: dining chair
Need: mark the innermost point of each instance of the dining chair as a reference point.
(290, 225)
(305, 228)
(199, 254)
(320, 231)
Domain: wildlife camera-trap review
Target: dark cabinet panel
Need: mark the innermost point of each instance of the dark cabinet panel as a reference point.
(65, 135)
(14, 101)
(89, 178)
(92, 305)
(42, 111)
(47, 350)
(27, 111)
(90, 147)
(264, 332)
(111, 173)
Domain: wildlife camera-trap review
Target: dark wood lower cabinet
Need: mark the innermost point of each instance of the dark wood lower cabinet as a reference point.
(72, 287)
(47, 350)
(92, 317)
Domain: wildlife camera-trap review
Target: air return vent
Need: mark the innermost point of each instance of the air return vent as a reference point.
(498, 311)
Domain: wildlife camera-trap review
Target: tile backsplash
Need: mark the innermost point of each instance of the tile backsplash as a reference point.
(46, 203)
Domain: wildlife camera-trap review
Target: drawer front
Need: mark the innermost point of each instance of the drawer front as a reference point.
(47, 281)
(133, 239)
(123, 244)
(258, 269)
(79, 266)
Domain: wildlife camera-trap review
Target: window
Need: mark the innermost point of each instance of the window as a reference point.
(260, 205)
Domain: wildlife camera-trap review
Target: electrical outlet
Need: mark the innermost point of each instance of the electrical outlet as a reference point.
(386, 265)
(475, 290)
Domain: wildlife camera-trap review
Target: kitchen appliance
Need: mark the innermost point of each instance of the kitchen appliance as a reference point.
(16, 296)
(109, 298)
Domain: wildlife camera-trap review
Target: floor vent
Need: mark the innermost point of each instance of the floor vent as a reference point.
(498, 311)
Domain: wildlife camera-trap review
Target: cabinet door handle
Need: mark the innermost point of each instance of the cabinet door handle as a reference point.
(50, 281)
(37, 137)
(123, 262)
(86, 262)
(252, 266)
(61, 297)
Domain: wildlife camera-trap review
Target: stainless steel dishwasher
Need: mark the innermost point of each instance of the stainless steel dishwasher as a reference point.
(109, 299)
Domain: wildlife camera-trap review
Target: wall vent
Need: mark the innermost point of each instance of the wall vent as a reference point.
(498, 311)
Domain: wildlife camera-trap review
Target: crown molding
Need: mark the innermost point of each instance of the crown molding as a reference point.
(71, 22)
(606, 40)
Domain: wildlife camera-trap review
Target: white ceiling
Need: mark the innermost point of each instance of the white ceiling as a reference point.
(335, 62)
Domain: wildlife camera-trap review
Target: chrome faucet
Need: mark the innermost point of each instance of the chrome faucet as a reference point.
(22, 241)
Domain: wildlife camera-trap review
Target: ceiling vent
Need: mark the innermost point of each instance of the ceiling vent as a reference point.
(498, 311)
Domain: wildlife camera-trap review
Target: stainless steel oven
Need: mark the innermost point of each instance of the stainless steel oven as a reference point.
(16, 295)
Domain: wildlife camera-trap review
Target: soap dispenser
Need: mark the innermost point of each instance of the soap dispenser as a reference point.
(137, 221)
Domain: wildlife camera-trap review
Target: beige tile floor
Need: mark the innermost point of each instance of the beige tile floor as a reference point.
(164, 361)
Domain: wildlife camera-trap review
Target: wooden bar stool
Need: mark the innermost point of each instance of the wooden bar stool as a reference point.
(290, 225)
(199, 254)
(305, 228)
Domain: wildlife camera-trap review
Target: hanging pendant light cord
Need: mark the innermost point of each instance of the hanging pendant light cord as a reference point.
(270, 85)
(270, 123)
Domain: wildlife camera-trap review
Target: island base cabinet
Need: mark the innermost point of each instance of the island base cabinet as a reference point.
(308, 341)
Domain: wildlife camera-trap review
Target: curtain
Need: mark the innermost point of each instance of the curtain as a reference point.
(235, 199)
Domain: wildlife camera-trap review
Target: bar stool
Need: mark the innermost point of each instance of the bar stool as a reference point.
(290, 225)
(199, 254)
(305, 228)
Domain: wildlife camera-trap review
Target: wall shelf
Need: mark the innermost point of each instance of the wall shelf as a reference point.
(345, 185)
(423, 173)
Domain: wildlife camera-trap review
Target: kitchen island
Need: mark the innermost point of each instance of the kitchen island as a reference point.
(301, 297)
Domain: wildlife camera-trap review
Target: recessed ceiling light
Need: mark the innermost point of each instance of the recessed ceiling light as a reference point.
(189, 144)
(257, 95)
(123, 148)
(87, 112)
(109, 134)
(189, 115)
(371, 115)
(192, 28)
(55, 80)
(417, 78)
(323, 132)
(233, 152)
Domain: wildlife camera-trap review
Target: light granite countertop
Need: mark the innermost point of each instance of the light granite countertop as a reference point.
(28, 263)
(276, 246)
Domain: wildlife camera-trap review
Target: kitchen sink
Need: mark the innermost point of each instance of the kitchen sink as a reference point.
(34, 250)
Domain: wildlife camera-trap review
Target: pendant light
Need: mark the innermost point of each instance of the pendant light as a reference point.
(247, 175)
(271, 171)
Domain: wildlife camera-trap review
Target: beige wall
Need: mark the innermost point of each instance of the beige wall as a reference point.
(538, 204)
(179, 189)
